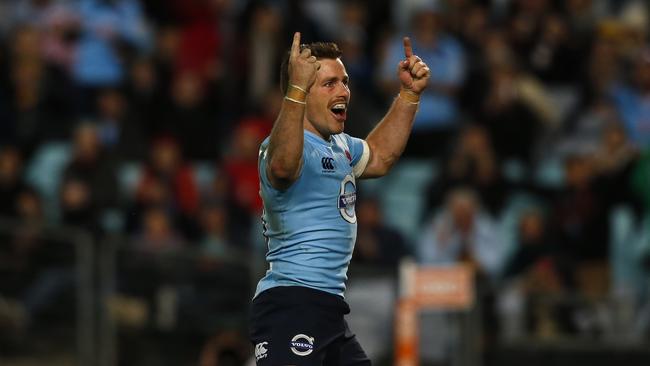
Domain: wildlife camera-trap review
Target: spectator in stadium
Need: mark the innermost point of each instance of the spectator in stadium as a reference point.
(536, 253)
(193, 102)
(377, 243)
(119, 132)
(33, 13)
(536, 277)
(61, 30)
(92, 168)
(552, 54)
(107, 25)
(438, 113)
(352, 37)
(200, 40)
(632, 101)
(19, 249)
(144, 94)
(75, 205)
(11, 179)
(472, 163)
(462, 233)
(510, 96)
(168, 179)
(36, 109)
(262, 56)
(579, 216)
(614, 161)
(38, 273)
(157, 234)
(215, 243)
(239, 165)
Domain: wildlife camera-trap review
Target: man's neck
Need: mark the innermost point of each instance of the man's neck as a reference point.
(309, 127)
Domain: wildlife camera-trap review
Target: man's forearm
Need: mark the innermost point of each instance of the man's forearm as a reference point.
(284, 154)
(388, 139)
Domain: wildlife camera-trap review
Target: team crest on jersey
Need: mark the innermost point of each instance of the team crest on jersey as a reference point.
(347, 199)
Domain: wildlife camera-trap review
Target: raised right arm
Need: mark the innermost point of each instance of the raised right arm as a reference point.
(284, 154)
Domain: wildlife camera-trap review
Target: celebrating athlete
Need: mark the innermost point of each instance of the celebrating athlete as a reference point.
(308, 170)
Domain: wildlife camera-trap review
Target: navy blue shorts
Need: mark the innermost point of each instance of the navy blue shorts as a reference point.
(303, 327)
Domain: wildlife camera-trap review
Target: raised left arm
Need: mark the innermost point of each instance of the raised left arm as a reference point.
(388, 139)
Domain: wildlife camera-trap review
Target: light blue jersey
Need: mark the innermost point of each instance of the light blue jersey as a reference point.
(311, 226)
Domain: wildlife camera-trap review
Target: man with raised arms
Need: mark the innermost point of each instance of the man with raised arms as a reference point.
(308, 170)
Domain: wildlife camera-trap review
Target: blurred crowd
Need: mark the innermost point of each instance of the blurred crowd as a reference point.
(142, 118)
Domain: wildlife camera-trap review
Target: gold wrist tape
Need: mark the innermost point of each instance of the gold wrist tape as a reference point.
(295, 100)
(409, 96)
(296, 93)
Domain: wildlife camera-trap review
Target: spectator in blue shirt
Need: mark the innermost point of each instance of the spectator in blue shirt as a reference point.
(633, 102)
(438, 111)
(107, 23)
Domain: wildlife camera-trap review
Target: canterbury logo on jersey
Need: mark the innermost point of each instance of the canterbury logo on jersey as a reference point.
(328, 164)
(261, 350)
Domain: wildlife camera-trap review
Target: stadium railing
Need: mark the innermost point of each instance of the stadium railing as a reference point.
(48, 301)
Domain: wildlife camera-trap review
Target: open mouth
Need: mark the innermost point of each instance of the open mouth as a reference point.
(339, 111)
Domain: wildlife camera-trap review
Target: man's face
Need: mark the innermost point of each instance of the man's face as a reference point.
(327, 101)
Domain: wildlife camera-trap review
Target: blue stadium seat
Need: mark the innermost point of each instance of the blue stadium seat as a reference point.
(44, 172)
(628, 245)
(514, 170)
(128, 176)
(401, 194)
(204, 173)
(550, 172)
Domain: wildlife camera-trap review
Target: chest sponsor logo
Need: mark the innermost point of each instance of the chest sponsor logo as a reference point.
(302, 345)
(347, 199)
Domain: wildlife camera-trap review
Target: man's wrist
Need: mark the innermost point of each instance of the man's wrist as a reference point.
(409, 96)
(296, 94)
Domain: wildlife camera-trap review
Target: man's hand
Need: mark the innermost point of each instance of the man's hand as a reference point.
(413, 72)
(302, 65)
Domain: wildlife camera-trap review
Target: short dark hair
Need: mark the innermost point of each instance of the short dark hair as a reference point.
(329, 50)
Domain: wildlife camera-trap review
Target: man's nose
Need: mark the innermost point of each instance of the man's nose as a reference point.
(343, 91)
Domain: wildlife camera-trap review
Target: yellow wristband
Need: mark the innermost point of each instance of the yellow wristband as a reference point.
(294, 100)
(296, 93)
(297, 87)
(409, 96)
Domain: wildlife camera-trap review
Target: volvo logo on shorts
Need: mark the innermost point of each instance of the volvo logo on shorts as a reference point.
(302, 345)
(328, 164)
(347, 199)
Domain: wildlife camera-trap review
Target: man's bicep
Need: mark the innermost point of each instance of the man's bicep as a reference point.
(268, 178)
(374, 167)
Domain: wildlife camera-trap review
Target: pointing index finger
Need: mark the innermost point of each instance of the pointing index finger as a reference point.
(295, 46)
(408, 50)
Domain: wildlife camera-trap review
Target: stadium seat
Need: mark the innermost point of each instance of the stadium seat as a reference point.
(204, 173)
(44, 172)
(514, 171)
(550, 172)
(628, 246)
(401, 194)
(128, 175)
